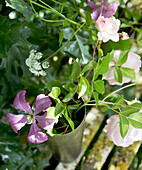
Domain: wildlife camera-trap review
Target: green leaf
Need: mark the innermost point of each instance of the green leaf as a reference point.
(128, 72)
(84, 87)
(56, 91)
(128, 13)
(137, 15)
(118, 102)
(104, 66)
(76, 47)
(22, 7)
(124, 125)
(118, 74)
(136, 120)
(61, 37)
(70, 95)
(87, 67)
(120, 45)
(99, 86)
(69, 86)
(60, 107)
(65, 23)
(75, 70)
(122, 58)
(130, 109)
(71, 123)
(96, 98)
(88, 18)
(51, 113)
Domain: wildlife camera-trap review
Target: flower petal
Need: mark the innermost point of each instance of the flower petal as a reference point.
(36, 135)
(42, 103)
(96, 10)
(109, 10)
(45, 123)
(16, 121)
(20, 103)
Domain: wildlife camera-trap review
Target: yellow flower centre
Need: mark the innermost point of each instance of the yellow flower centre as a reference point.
(30, 118)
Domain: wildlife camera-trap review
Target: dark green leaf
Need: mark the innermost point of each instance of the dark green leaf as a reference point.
(69, 120)
(137, 15)
(70, 95)
(122, 58)
(75, 71)
(136, 120)
(69, 86)
(120, 45)
(22, 7)
(124, 125)
(128, 13)
(61, 37)
(60, 107)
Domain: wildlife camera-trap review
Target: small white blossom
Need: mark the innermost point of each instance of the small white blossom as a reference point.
(38, 55)
(28, 62)
(36, 65)
(45, 64)
(42, 73)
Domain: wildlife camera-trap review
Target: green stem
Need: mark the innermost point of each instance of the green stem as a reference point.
(41, 17)
(56, 12)
(118, 90)
(64, 43)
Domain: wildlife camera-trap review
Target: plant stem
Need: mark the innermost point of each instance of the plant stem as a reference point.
(56, 12)
(64, 43)
(118, 90)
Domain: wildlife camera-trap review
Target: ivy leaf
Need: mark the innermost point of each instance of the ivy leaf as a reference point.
(70, 95)
(71, 123)
(136, 120)
(96, 98)
(118, 76)
(128, 72)
(56, 91)
(59, 108)
(75, 71)
(122, 58)
(84, 87)
(99, 86)
(124, 125)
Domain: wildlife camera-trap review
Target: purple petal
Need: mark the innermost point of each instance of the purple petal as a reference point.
(109, 10)
(36, 135)
(42, 103)
(96, 10)
(16, 121)
(20, 103)
(45, 123)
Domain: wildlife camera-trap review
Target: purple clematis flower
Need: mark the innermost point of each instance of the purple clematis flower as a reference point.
(18, 121)
(102, 9)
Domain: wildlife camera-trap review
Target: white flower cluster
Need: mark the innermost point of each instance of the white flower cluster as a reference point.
(35, 66)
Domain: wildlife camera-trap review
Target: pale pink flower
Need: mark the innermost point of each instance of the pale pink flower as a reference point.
(113, 131)
(102, 9)
(108, 28)
(18, 121)
(133, 62)
(123, 36)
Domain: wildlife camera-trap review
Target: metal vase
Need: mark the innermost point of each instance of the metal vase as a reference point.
(67, 147)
